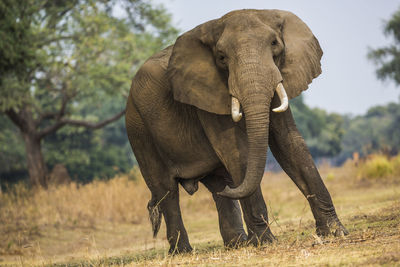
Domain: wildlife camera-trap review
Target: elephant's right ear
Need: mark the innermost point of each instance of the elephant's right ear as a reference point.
(302, 54)
(194, 76)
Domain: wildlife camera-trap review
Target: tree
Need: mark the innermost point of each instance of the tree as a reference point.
(322, 131)
(58, 57)
(91, 154)
(387, 58)
(375, 132)
(12, 153)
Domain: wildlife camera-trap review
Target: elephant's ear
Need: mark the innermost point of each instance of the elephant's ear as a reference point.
(301, 63)
(193, 74)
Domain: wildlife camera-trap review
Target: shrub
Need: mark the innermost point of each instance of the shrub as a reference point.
(377, 166)
(396, 165)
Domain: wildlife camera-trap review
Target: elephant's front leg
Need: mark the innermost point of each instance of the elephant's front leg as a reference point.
(256, 217)
(291, 152)
(229, 214)
(230, 142)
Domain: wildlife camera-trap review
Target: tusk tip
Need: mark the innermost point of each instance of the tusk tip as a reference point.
(283, 97)
(237, 118)
(279, 109)
(236, 114)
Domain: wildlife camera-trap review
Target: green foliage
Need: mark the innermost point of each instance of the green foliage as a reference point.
(91, 154)
(322, 131)
(12, 150)
(338, 136)
(74, 59)
(377, 131)
(388, 58)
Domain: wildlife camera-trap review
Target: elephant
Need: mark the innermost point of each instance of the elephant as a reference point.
(207, 108)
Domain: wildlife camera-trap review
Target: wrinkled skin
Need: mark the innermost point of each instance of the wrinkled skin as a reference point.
(181, 131)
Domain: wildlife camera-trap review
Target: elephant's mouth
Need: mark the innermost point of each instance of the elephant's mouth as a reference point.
(280, 90)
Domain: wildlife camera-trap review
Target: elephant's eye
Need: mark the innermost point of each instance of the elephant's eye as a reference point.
(221, 59)
(274, 42)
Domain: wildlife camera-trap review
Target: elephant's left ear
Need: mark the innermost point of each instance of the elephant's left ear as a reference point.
(194, 76)
(301, 63)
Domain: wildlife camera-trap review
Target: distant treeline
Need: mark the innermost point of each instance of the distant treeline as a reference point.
(101, 154)
(336, 137)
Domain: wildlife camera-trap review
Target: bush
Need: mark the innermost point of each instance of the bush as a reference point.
(396, 165)
(376, 166)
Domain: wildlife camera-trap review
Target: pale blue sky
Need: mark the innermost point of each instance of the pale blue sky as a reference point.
(345, 30)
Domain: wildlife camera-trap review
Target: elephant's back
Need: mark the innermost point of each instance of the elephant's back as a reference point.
(162, 57)
(150, 86)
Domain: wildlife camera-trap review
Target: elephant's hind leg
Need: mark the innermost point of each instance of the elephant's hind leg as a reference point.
(176, 232)
(291, 152)
(164, 189)
(165, 197)
(229, 214)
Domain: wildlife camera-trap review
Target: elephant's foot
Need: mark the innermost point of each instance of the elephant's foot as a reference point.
(179, 243)
(261, 237)
(181, 247)
(333, 226)
(235, 242)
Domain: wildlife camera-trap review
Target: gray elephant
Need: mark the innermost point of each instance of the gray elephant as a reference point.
(183, 120)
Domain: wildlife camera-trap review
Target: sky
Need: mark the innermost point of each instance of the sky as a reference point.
(346, 31)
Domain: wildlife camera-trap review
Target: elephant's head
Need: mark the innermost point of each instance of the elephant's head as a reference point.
(242, 59)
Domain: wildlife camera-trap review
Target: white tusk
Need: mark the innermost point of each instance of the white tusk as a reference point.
(236, 114)
(283, 97)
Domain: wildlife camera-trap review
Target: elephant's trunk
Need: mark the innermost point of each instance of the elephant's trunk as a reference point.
(256, 112)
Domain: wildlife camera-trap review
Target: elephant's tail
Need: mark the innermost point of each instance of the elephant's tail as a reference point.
(154, 215)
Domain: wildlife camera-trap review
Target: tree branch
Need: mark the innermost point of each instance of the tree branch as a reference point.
(16, 119)
(51, 129)
(47, 115)
(66, 98)
(55, 39)
(92, 125)
(55, 115)
(59, 114)
(62, 122)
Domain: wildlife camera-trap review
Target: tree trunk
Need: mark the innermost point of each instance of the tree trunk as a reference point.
(23, 119)
(37, 168)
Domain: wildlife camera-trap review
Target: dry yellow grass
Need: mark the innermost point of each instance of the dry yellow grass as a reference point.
(76, 205)
(106, 223)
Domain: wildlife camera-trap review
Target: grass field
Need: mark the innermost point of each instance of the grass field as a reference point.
(106, 223)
